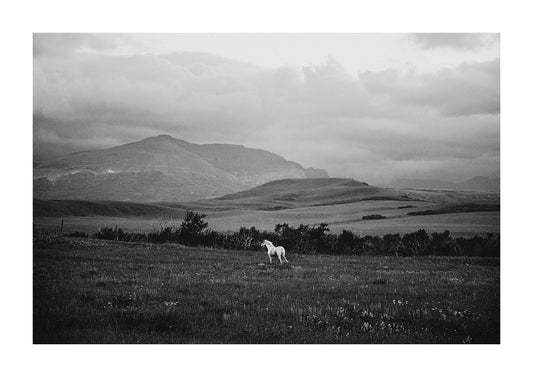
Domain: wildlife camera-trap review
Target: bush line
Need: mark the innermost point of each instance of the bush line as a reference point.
(306, 239)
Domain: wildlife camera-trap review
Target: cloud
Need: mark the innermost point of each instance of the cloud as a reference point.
(462, 41)
(374, 127)
(470, 88)
(53, 44)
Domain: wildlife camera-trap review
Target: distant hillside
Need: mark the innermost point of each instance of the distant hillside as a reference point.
(312, 192)
(485, 184)
(161, 168)
(281, 195)
(272, 196)
(480, 184)
(84, 208)
(458, 208)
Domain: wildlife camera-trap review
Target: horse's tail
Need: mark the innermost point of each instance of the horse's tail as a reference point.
(283, 254)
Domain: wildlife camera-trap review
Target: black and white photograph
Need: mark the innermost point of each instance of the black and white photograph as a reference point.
(266, 188)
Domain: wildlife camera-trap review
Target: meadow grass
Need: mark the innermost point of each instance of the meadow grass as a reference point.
(92, 291)
(459, 224)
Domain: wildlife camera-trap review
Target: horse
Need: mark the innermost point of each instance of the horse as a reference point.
(272, 250)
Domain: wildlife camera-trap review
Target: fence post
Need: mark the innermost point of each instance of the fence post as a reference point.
(61, 233)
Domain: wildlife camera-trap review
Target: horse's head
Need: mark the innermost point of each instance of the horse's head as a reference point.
(265, 243)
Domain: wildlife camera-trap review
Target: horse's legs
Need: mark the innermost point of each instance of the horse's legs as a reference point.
(269, 257)
(285, 258)
(279, 257)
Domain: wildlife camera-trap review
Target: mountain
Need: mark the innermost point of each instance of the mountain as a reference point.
(474, 184)
(161, 168)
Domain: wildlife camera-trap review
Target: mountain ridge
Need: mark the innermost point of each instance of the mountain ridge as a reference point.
(162, 168)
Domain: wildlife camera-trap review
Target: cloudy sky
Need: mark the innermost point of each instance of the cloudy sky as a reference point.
(375, 107)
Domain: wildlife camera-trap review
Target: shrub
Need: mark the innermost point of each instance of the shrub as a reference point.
(415, 244)
(307, 239)
(107, 233)
(166, 234)
(345, 242)
(374, 217)
(77, 234)
(392, 244)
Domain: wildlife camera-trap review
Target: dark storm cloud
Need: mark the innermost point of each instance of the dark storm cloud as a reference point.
(465, 41)
(376, 127)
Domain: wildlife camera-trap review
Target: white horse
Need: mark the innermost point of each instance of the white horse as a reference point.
(272, 250)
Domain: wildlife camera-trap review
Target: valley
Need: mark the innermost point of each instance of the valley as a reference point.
(341, 203)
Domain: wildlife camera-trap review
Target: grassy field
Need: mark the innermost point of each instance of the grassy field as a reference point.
(89, 291)
(342, 203)
(342, 216)
(459, 224)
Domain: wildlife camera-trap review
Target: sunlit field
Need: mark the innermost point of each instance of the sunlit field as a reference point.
(92, 291)
(459, 224)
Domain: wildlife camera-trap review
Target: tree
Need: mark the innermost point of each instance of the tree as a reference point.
(192, 228)
(345, 242)
(291, 238)
(392, 243)
(248, 238)
(416, 243)
(444, 244)
(317, 237)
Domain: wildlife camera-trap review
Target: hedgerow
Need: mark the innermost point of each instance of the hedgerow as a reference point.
(307, 239)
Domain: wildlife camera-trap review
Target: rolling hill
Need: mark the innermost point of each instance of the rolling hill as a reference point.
(271, 196)
(86, 208)
(161, 168)
(293, 193)
(478, 183)
(277, 195)
(342, 203)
